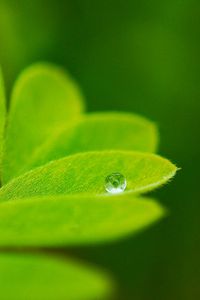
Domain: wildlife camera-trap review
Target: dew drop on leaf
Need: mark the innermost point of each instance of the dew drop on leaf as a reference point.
(115, 183)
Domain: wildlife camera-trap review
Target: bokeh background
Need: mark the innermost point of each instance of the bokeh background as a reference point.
(140, 56)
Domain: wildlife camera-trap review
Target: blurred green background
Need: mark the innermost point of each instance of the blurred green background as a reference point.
(140, 56)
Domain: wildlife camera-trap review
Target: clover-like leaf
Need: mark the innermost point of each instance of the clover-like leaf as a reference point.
(55, 163)
(86, 172)
(44, 99)
(74, 220)
(98, 131)
(26, 276)
(2, 118)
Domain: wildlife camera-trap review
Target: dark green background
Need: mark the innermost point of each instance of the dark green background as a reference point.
(140, 56)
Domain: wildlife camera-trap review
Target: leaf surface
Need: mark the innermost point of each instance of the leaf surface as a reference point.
(85, 173)
(98, 131)
(32, 277)
(2, 118)
(44, 99)
(74, 220)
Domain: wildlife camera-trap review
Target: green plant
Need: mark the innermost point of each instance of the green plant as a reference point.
(54, 163)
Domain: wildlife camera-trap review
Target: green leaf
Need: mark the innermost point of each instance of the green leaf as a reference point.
(43, 100)
(98, 131)
(74, 220)
(26, 276)
(86, 172)
(2, 118)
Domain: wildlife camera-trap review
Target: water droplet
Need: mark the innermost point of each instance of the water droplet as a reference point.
(115, 183)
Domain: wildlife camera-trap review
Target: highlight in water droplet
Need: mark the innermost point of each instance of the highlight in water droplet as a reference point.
(115, 183)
